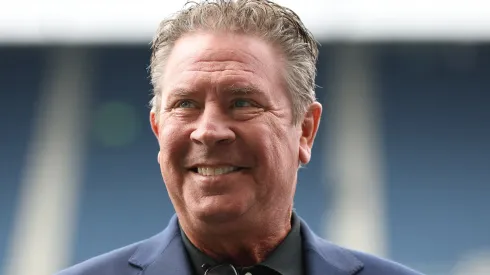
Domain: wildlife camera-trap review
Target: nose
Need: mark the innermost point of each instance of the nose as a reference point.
(212, 129)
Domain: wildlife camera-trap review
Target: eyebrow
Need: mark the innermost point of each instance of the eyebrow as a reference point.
(232, 89)
(243, 90)
(180, 92)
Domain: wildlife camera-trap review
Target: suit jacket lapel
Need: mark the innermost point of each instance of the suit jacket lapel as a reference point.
(325, 258)
(172, 261)
(164, 254)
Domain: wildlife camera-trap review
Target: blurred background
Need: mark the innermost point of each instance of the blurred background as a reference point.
(401, 166)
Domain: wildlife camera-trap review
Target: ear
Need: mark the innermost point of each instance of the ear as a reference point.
(309, 128)
(155, 127)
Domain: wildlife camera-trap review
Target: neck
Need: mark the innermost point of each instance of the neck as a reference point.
(245, 247)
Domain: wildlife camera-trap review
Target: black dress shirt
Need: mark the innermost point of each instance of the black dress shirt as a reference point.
(286, 259)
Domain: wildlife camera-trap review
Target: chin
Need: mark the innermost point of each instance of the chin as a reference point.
(220, 213)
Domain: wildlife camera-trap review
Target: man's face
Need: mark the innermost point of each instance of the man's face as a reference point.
(228, 147)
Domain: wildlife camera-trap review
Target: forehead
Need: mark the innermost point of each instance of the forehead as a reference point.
(217, 57)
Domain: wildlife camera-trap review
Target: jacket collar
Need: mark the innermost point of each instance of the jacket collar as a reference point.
(164, 254)
(323, 257)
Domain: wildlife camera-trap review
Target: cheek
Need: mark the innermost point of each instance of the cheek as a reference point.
(277, 171)
(277, 146)
(284, 140)
(173, 147)
(171, 138)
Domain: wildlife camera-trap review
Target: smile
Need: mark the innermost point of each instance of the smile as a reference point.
(215, 171)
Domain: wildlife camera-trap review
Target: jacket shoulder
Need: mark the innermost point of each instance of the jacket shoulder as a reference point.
(374, 265)
(128, 260)
(114, 262)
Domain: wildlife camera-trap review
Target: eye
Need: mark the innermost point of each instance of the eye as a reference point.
(185, 104)
(241, 103)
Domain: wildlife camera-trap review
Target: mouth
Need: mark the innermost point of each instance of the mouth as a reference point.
(215, 171)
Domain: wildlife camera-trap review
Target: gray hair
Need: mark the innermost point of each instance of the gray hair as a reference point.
(270, 21)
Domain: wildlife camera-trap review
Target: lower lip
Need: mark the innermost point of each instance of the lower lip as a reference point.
(219, 184)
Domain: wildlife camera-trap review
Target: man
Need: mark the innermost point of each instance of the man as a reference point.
(235, 115)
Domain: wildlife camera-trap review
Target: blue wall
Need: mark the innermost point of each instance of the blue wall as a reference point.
(436, 131)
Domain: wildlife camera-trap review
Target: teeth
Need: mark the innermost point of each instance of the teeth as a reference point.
(207, 171)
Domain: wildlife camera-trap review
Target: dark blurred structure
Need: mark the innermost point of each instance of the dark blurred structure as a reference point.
(431, 106)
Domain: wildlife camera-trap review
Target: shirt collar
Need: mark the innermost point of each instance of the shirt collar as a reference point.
(286, 258)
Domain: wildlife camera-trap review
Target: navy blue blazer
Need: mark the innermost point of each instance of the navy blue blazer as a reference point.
(164, 254)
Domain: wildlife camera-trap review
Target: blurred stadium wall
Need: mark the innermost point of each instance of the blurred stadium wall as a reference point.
(401, 167)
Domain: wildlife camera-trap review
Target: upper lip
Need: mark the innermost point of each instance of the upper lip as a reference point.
(213, 165)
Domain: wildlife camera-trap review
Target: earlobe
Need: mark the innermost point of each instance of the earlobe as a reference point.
(309, 128)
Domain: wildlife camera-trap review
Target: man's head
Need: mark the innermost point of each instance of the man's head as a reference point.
(275, 24)
(234, 111)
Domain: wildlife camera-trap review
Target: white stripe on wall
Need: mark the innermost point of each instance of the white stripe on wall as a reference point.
(358, 217)
(47, 207)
